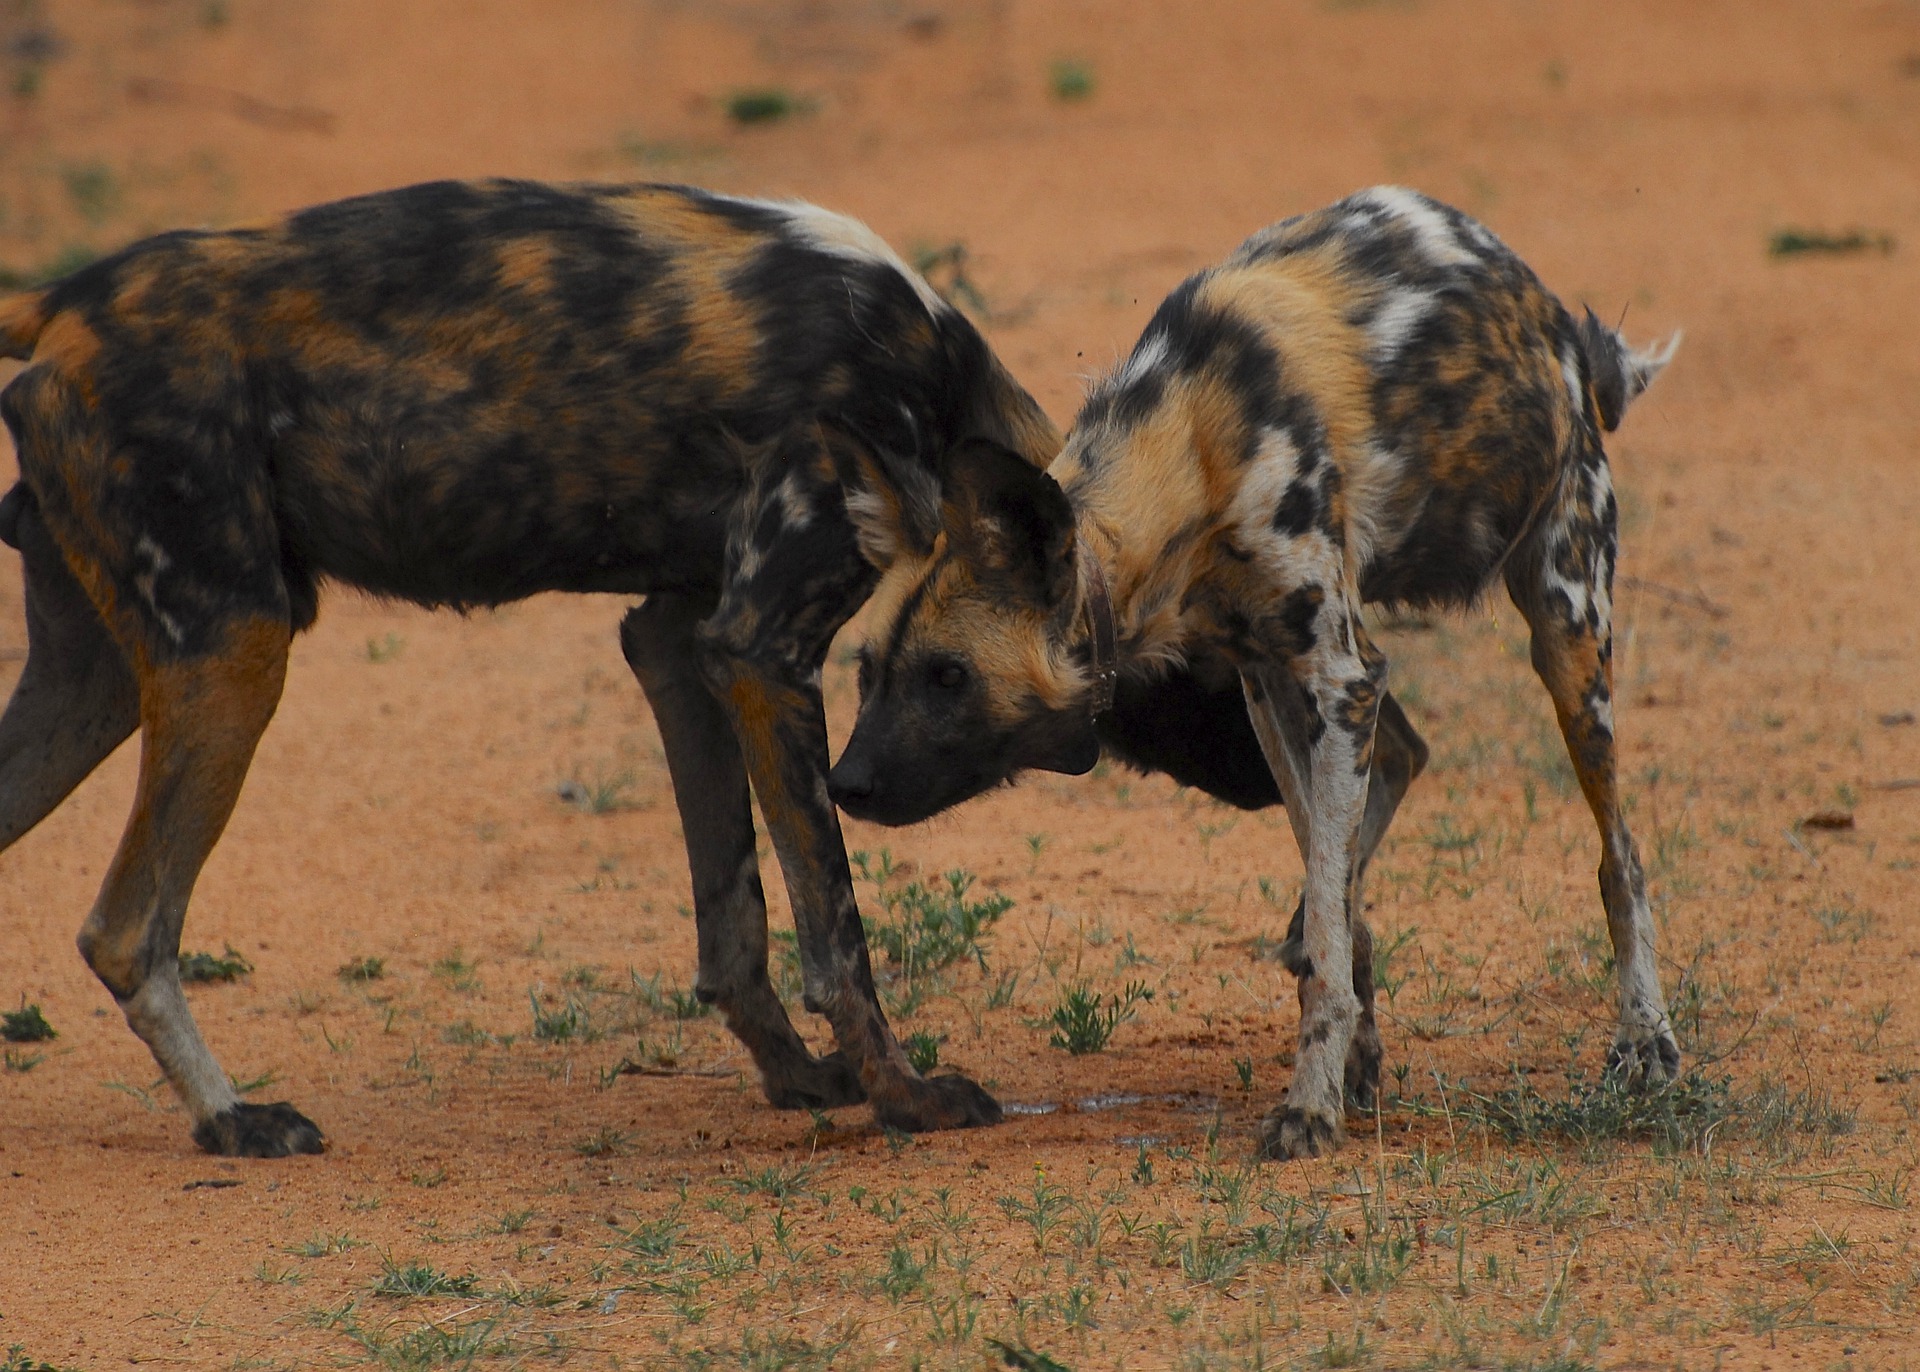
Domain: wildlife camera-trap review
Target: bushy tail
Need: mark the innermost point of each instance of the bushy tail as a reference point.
(1618, 371)
(22, 317)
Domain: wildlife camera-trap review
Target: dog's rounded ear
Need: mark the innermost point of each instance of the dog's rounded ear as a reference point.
(893, 493)
(1011, 519)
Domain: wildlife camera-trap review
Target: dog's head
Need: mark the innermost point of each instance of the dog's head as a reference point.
(968, 675)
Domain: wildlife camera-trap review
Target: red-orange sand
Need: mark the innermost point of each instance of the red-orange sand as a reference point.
(403, 805)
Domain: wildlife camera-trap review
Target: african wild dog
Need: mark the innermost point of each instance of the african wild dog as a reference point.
(459, 395)
(1375, 402)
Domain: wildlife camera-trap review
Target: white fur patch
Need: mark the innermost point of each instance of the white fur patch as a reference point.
(1395, 320)
(844, 237)
(1570, 369)
(147, 582)
(1142, 362)
(1292, 559)
(1429, 226)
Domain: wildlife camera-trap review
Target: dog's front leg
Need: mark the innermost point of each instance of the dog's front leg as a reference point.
(795, 575)
(1316, 725)
(729, 903)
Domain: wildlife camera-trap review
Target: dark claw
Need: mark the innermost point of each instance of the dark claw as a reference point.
(259, 1131)
(948, 1101)
(1290, 1132)
(825, 1083)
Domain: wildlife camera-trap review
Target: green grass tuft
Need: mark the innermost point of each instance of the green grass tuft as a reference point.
(203, 967)
(1797, 242)
(26, 1025)
(1083, 1021)
(363, 970)
(923, 1050)
(1071, 79)
(765, 105)
(417, 1279)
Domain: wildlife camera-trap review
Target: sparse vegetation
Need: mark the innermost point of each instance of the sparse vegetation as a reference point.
(417, 1279)
(1083, 1021)
(603, 794)
(765, 105)
(206, 967)
(923, 1049)
(360, 971)
(25, 1025)
(1071, 79)
(1798, 242)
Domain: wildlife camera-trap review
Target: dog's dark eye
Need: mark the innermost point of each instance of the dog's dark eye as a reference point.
(949, 676)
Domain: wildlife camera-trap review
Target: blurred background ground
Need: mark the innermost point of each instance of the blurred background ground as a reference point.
(456, 871)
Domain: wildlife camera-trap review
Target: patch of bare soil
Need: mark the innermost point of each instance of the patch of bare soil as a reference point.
(540, 1153)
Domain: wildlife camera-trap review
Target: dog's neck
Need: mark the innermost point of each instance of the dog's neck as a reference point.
(1135, 563)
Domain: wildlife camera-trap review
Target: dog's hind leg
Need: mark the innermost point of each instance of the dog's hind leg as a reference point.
(729, 905)
(75, 701)
(200, 720)
(1561, 578)
(1399, 755)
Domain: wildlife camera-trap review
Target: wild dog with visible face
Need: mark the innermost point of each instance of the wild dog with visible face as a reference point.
(1377, 402)
(462, 394)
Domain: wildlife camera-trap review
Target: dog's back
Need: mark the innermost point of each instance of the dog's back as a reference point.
(463, 393)
(1383, 371)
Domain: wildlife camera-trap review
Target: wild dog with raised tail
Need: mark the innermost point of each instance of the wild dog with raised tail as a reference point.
(1376, 402)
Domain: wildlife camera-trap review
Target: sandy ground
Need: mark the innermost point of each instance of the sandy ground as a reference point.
(404, 807)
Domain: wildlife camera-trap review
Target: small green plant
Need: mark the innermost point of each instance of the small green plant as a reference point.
(203, 967)
(1044, 1209)
(927, 927)
(675, 1002)
(363, 970)
(18, 1361)
(603, 795)
(1071, 79)
(765, 105)
(457, 971)
(777, 1182)
(923, 1049)
(418, 1279)
(605, 1143)
(563, 1023)
(26, 1025)
(93, 189)
(1797, 242)
(1083, 1021)
(385, 649)
(17, 1061)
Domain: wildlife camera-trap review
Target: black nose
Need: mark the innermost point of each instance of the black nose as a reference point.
(849, 783)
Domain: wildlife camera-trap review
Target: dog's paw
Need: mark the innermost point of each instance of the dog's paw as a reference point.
(1646, 1063)
(824, 1083)
(1291, 1132)
(922, 1105)
(259, 1131)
